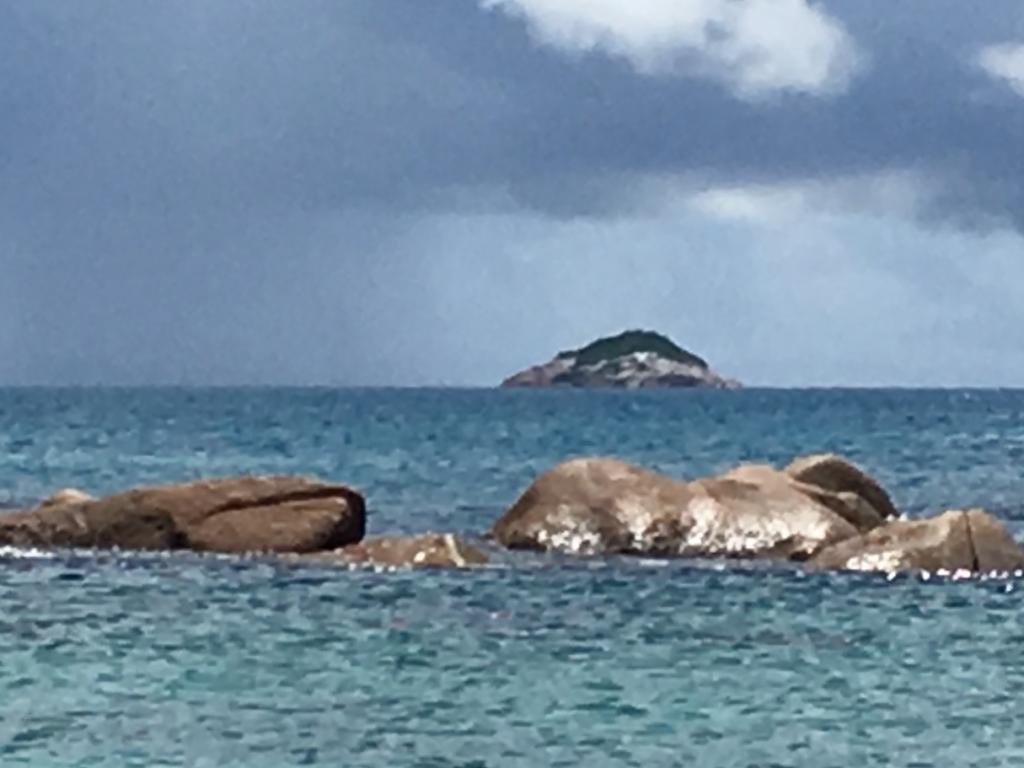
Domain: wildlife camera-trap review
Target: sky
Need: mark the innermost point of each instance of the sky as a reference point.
(403, 192)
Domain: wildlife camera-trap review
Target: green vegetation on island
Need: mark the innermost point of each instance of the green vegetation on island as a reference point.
(631, 342)
(632, 360)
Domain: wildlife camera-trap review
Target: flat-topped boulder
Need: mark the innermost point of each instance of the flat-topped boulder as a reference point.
(428, 550)
(234, 514)
(631, 360)
(971, 540)
(603, 505)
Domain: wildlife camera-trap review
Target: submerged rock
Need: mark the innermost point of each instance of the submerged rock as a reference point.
(953, 541)
(632, 360)
(429, 550)
(237, 514)
(601, 505)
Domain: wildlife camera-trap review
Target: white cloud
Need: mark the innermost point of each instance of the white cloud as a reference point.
(754, 205)
(887, 194)
(757, 47)
(1004, 62)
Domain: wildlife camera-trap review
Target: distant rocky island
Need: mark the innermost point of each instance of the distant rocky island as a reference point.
(631, 360)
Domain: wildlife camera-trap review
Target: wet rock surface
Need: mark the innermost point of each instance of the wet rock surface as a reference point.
(601, 505)
(972, 541)
(821, 508)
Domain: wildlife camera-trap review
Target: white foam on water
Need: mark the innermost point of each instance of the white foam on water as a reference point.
(26, 553)
(648, 563)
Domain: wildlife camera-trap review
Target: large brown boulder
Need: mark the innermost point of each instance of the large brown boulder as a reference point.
(429, 550)
(600, 505)
(237, 514)
(954, 541)
(836, 474)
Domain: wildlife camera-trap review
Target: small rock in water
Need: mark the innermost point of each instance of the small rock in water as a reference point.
(429, 550)
(65, 496)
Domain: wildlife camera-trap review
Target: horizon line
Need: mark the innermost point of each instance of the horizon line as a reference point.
(496, 387)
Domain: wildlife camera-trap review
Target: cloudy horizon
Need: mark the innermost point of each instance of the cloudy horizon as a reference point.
(392, 192)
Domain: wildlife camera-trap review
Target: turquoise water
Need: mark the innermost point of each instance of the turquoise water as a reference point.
(202, 661)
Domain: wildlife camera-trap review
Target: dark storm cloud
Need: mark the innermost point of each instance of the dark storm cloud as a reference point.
(191, 103)
(316, 104)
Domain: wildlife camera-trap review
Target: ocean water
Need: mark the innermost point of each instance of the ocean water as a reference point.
(156, 660)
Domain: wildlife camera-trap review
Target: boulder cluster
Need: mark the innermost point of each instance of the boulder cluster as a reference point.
(822, 511)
